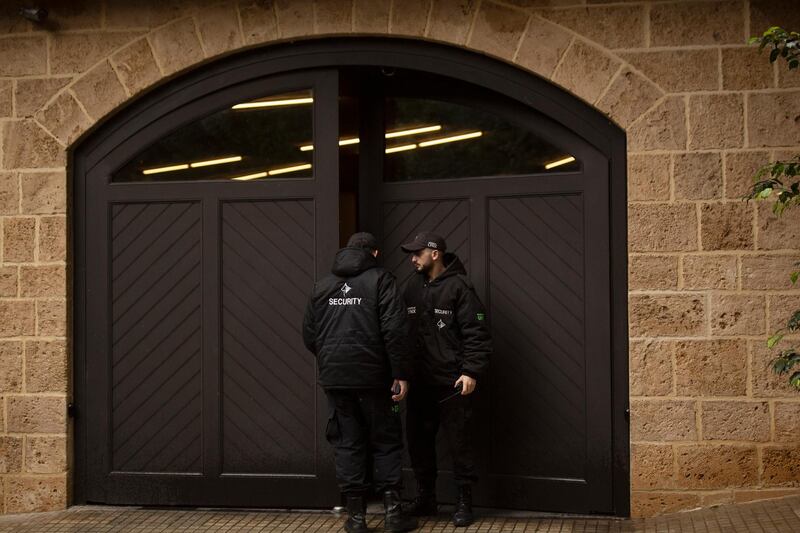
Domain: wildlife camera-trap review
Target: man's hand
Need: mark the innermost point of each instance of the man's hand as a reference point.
(403, 389)
(468, 385)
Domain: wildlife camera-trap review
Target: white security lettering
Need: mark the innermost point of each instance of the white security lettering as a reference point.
(442, 311)
(344, 301)
(411, 310)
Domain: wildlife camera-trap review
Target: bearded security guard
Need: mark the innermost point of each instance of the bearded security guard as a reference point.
(355, 324)
(453, 344)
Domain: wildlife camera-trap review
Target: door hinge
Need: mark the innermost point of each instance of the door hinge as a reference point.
(71, 410)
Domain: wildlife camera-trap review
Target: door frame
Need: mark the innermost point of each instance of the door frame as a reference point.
(525, 87)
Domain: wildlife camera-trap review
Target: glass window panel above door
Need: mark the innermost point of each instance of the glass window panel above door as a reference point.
(265, 139)
(428, 139)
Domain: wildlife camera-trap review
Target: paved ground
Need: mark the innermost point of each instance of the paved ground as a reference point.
(763, 517)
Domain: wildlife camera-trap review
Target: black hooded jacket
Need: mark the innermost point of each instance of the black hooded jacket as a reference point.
(356, 326)
(448, 323)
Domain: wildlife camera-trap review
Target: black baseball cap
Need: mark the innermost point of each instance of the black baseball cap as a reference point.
(363, 239)
(426, 239)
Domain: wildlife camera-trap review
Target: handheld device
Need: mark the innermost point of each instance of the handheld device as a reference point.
(459, 388)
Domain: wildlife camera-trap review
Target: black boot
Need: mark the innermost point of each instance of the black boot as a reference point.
(463, 515)
(356, 515)
(396, 519)
(424, 504)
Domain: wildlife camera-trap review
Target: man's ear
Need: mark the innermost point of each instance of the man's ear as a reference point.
(435, 255)
(375, 253)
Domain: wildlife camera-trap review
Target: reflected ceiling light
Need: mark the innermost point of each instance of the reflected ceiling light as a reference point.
(273, 103)
(251, 176)
(463, 136)
(219, 161)
(401, 133)
(165, 169)
(294, 168)
(342, 142)
(560, 162)
(401, 148)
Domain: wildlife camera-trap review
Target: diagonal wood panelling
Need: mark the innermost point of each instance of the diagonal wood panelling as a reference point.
(268, 377)
(536, 295)
(403, 220)
(156, 337)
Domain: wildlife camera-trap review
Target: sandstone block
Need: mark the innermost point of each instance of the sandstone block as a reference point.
(653, 272)
(27, 145)
(698, 176)
(45, 454)
(781, 466)
(716, 121)
(450, 20)
(53, 238)
(17, 318)
(219, 28)
(32, 93)
(73, 53)
(766, 383)
(629, 96)
(36, 493)
(716, 466)
(602, 24)
(652, 466)
(650, 368)
(176, 46)
(19, 237)
(666, 315)
(371, 16)
(136, 66)
(585, 71)
(726, 226)
(711, 368)
(688, 23)
(336, 16)
(36, 414)
(648, 177)
(258, 21)
(51, 317)
(9, 193)
(735, 420)
(64, 118)
(498, 30)
(772, 119)
(542, 59)
(709, 272)
(662, 227)
(777, 232)
(46, 366)
(11, 365)
(733, 314)
(745, 68)
(787, 421)
(646, 504)
(768, 271)
(23, 55)
(740, 169)
(663, 420)
(10, 454)
(661, 128)
(100, 91)
(44, 192)
(295, 17)
(678, 70)
(8, 281)
(42, 281)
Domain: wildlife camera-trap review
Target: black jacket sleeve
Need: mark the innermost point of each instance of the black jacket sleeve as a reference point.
(394, 327)
(475, 337)
(310, 325)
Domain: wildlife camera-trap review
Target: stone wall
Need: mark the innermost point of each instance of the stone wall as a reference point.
(708, 272)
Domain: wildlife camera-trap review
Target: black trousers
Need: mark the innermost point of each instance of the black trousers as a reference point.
(365, 430)
(425, 416)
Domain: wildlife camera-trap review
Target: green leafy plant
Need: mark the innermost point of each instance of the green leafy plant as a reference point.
(780, 181)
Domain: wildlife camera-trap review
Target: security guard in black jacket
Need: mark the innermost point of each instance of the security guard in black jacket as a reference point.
(452, 352)
(355, 324)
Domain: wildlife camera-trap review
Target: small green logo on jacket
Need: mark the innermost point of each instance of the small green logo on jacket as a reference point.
(481, 316)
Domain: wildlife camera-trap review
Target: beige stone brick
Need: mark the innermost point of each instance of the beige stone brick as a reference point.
(711, 368)
(46, 366)
(661, 128)
(10, 454)
(603, 24)
(585, 71)
(735, 420)
(781, 309)
(295, 17)
(687, 23)
(787, 421)
(409, 17)
(772, 119)
(36, 414)
(42, 281)
(662, 227)
(17, 317)
(716, 121)
(666, 315)
(100, 90)
(726, 226)
(765, 272)
(745, 68)
(8, 281)
(711, 499)
(53, 238)
(43, 192)
(733, 314)
(9, 193)
(73, 53)
(6, 98)
(45, 454)
(145, 14)
(36, 493)
(705, 466)
(27, 145)
(740, 171)
(650, 368)
(652, 272)
(709, 272)
(629, 95)
(767, 13)
(176, 46)
(75, 14)
(64, 118)
(781, 466)
(219, 29)
(678, 70)
(652, 466)
(258, 21)
(542, 59)
(11, 365)
(498, 30)
(136, 66)
(371, 16)
(646, 504)
(787, 78)
(648, 177)
(32, 94)
(663, 420)
(336, 16)
(51, 317)
(698, 176)
(451, 20)
(19, 237)
(23, 55)
(766, 383)
(745, 496)
(777, 232)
